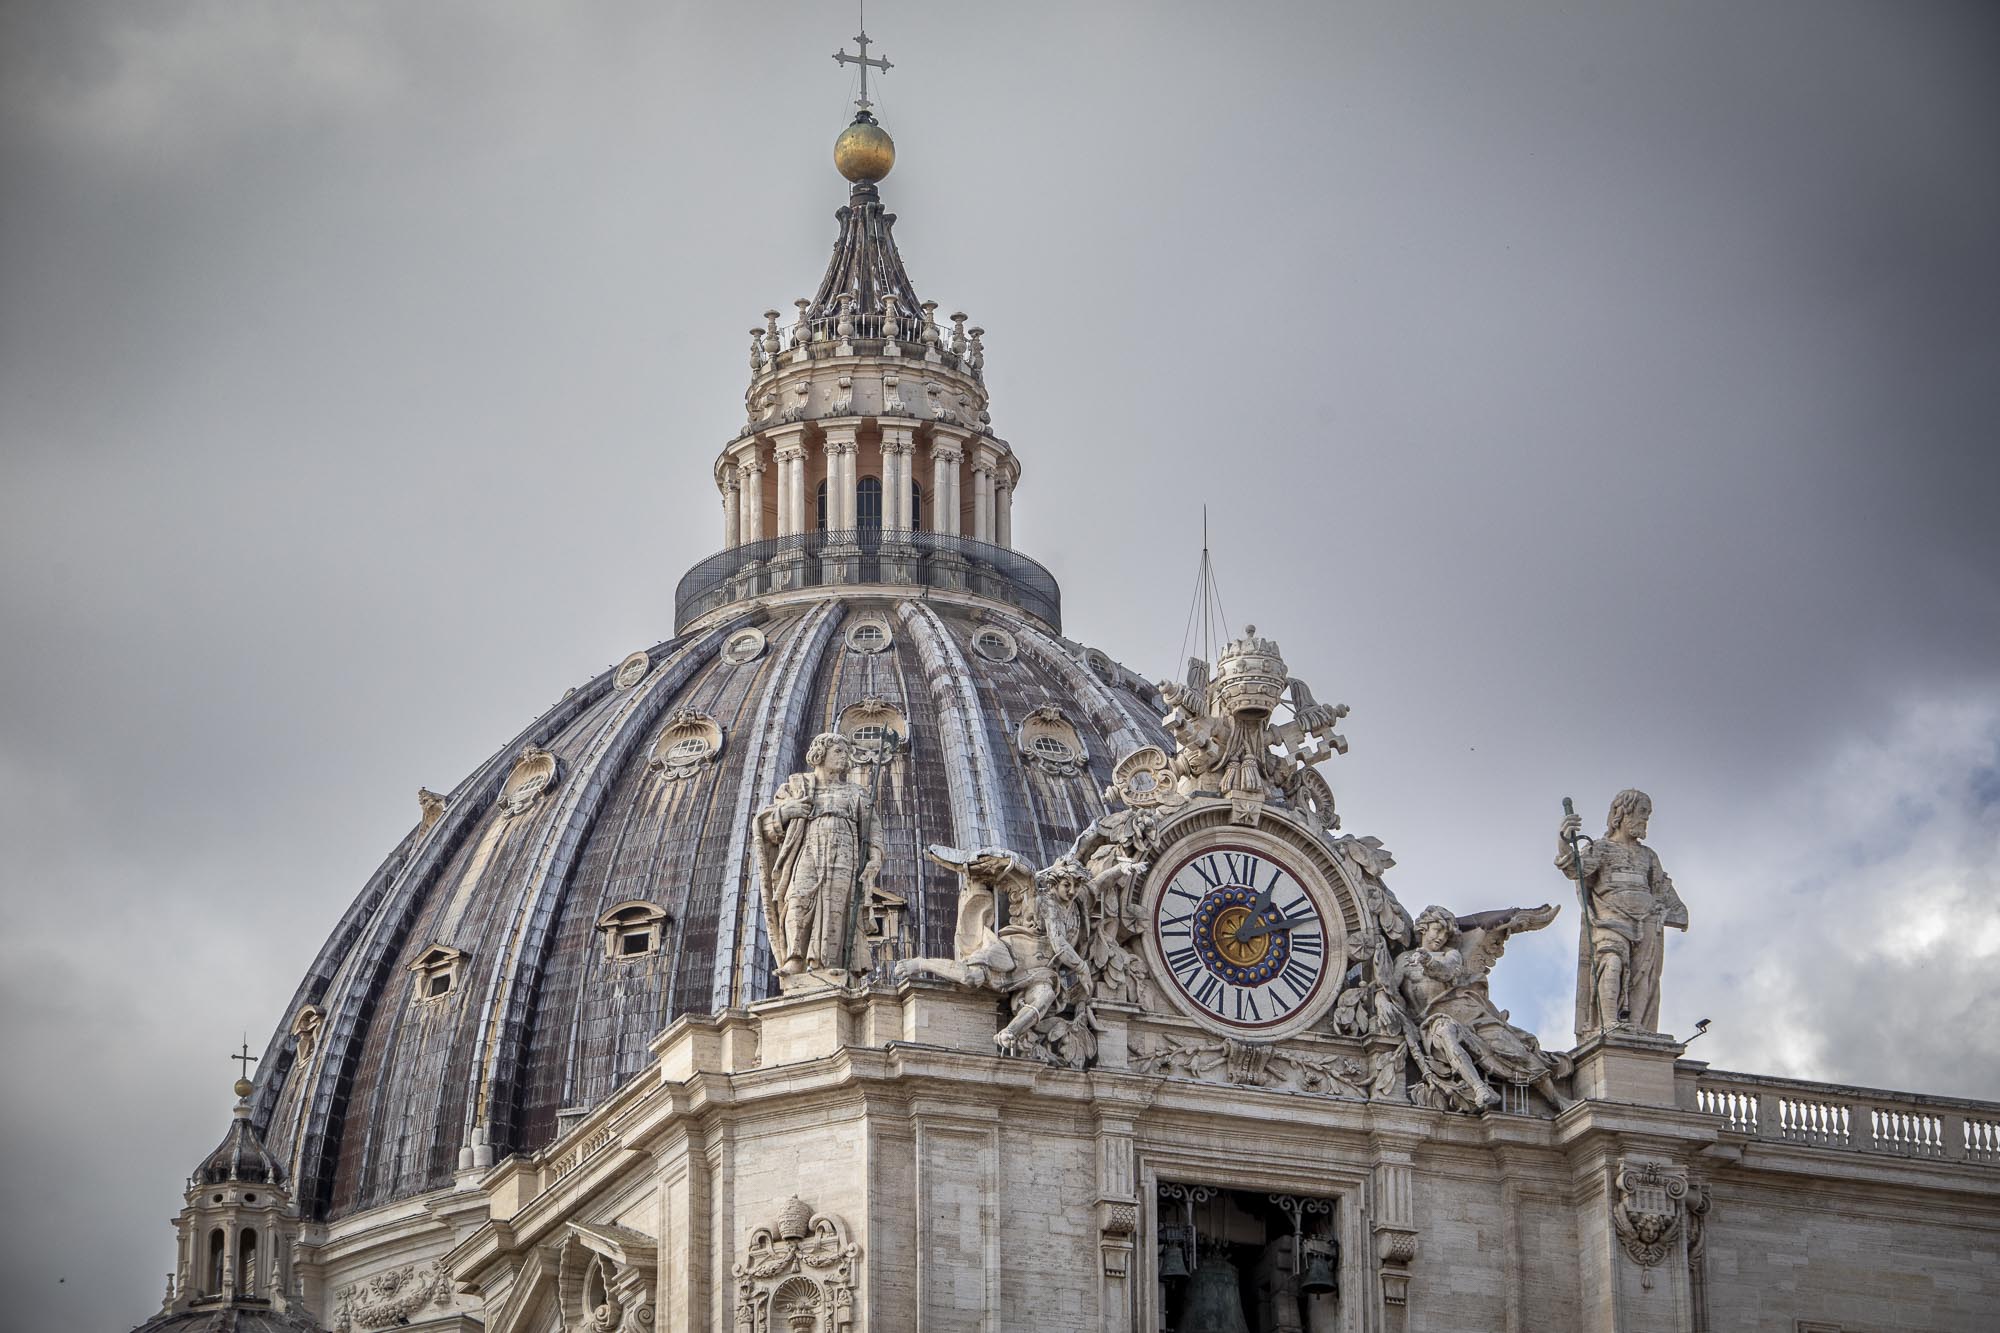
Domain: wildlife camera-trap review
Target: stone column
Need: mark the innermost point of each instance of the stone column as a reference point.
(840, 507)
(896, 476)
(732, 508)
(945, 455)
(789, 454)
(1003, 511)
(982, 500)
(752, 470)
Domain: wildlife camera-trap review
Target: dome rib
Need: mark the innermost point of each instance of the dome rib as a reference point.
(372, 956)
(1102, 705)
(777, 731)
(971, 771)
(501, 1045)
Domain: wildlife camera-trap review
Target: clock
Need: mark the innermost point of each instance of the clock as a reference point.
(1244, 936)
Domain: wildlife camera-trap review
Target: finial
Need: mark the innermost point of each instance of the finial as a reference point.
(243, 1085)
(864, 152)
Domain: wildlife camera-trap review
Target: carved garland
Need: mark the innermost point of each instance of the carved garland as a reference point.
(391, 1297)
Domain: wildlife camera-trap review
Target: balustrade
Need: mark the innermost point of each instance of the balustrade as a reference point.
(866, 332)
(1825, 1115)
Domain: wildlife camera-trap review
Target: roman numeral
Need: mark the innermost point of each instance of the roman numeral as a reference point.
(1176, 925)
(1246, 1007)
(1180, 892)
(1182, 961)
(1242, 868)
(1206, 869)
(1306, 940)
(1300, 976)
(1208, 992)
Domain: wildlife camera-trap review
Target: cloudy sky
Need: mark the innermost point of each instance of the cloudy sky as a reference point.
(1588, 394)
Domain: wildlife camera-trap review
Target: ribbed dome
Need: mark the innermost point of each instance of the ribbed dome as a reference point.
(500, 967)
(241, 1156)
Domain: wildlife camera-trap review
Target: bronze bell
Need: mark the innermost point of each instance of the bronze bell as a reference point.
(1214, 1299)
(1318, 1278)
(1173, 1263)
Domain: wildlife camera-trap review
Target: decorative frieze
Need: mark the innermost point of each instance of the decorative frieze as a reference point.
(391, 1297)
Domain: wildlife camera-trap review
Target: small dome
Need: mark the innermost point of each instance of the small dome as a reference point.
(864, 152)
(241, 1156)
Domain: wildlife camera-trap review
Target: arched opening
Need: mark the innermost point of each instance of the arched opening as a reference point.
(868, 504)
(218, 1244)
(916, 507)
(822, 506)
(246, 1263)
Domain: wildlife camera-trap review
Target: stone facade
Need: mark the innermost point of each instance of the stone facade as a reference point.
(869, 956)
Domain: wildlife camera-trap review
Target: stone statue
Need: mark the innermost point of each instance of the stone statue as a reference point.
(819, 853)
(1033, 959)
(1628, 902)
(1456, 1037)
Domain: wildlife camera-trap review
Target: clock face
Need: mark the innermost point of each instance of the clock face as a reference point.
(1243, 940)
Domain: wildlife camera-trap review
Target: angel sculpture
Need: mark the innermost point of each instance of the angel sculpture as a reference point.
(1456, 1037)
(1116, 849)
(1032, 959)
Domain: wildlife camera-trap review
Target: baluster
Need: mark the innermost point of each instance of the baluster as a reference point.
(958, 319)
(773, 343)
(756, 351)
(977, 358)
(930, 334)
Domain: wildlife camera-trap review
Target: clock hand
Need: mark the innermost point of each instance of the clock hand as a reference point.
(1250, 930)
(1257, 910)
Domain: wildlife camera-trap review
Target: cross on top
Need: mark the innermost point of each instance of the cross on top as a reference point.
(862, 60)
(245, 1059)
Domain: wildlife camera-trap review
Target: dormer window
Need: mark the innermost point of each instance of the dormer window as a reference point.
(438, 971)
(633, 930)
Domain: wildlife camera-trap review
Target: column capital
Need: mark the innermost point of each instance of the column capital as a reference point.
(898, 439)
(750, 467)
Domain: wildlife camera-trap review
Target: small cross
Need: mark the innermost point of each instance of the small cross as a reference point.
(866, 64)
(245, 1058)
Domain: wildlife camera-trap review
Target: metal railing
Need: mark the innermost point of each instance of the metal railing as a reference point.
(1828, 1115)
(891, 556)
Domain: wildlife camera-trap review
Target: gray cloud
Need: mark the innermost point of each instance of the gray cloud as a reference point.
(1587, 395)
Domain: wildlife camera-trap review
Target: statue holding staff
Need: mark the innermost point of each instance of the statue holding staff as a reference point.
(1628, 902)
(819, 853)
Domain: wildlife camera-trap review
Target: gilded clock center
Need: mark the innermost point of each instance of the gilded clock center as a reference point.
(1222, 934)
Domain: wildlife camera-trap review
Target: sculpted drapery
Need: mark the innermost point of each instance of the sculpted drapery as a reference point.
(1628, 903)
(819, 852)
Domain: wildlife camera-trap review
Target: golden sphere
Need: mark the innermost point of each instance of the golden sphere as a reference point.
(243, 1087)
(864, 152)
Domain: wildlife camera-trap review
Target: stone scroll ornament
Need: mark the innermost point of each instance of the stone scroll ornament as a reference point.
(1627, 903)
(797, 1275)
(819, 850)
(1649, 1212)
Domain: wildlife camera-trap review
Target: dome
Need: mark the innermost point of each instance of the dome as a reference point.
(513, 959)
(229, 1319)
(241, 1156)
